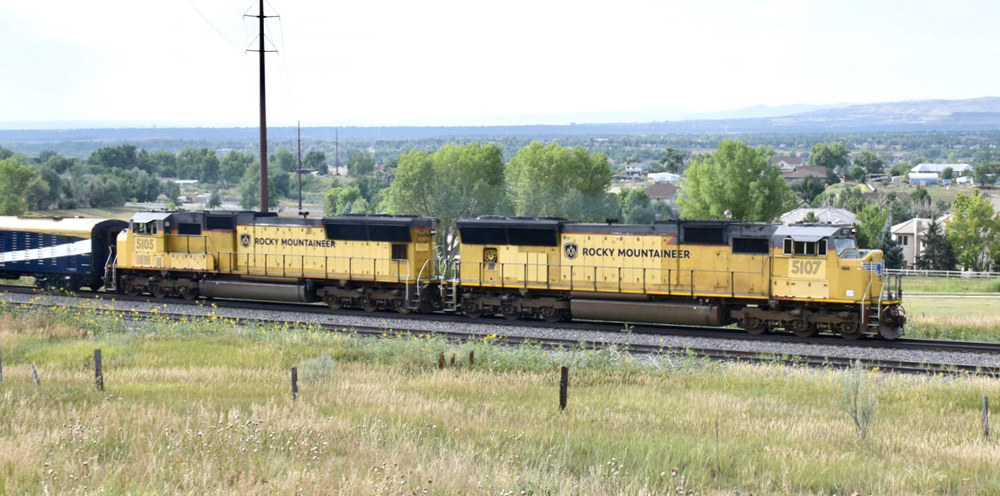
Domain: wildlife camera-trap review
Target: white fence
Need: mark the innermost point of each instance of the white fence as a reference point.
(943, 273)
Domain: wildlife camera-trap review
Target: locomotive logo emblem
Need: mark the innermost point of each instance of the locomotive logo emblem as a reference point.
(245, 240)
(571, 250)
(875, 267)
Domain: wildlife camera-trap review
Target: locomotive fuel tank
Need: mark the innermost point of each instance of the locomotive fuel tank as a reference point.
(649, 312)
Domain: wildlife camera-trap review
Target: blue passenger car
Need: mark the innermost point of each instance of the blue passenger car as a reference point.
(60, 253)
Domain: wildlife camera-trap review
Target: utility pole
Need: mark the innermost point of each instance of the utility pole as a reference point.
(263, 111)
(298, 172)
(336, 162)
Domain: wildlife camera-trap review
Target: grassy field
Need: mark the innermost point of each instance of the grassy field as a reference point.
(121, 213)
(975, 317)
(949, 285)
(205, 407)
(958, 318)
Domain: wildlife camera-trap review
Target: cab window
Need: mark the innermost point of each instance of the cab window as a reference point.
(805, 248)
(844, 244)
(144, 228)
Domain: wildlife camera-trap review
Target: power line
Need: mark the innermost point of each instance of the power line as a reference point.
(212, 25)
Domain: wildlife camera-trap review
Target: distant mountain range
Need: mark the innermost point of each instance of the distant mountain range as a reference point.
(921, 115)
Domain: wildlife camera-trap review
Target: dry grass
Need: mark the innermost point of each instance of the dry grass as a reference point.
(192, 409)
(961, 318)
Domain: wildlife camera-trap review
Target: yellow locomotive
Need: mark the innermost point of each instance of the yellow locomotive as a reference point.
(367, 261)
(802, 278)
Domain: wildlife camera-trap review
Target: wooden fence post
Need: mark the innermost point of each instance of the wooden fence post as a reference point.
(563, 387)
(295, 384)
(98, 373)
(986, 416)
(34, 376)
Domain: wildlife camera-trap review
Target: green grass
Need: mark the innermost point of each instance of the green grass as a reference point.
(120, 213)
(957, 318)
(949, 285)
(205, 407)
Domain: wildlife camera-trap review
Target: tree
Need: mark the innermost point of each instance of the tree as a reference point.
(122, 156)
(810, 218)
(986, 173)
(947, 173)
(900, 169)
(809, 188)
(870, 162)
(360, 164)
(636, 207)
(234, 165)
(315, 160)
(833, 156)
(451, 183)
(14, 180)
(735, 183)
(215, 200)
(201, 164)
(673, 160)
(921, 196)
(555, 181)
(892, 251)
(858, 174)
(344, 200)
(662, 210)
(872, 218)
(284, 160)
(937, 253)
(39, 194)
(172, 191)
(972, 231)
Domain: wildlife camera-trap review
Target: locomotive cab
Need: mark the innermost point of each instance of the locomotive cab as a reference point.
(823, 265)
(147, 239)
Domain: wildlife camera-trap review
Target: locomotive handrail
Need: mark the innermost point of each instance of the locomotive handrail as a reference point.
(643, 282)
(267, 269)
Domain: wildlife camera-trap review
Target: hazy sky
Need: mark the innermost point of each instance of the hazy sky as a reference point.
(440, 62)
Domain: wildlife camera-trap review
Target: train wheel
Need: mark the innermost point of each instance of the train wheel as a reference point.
(71, 285)
(426, 306)
(400, 306)
(510, 312)
(472, 311)
(804, 329)
(369, 304)
(754, 326)
(550, 314)
(849, 331)
(132, 290)
(157, 292)
(189, 293)
(334, 303)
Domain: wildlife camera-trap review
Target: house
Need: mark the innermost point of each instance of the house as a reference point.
(663, 192)
(910, 235)
(665, 177)
(958, 170)
(802, 172)
(787, 163)
(826, 215)
(638, 169)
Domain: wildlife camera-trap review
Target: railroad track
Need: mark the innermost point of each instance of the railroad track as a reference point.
(555, 343)
(612, 327)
